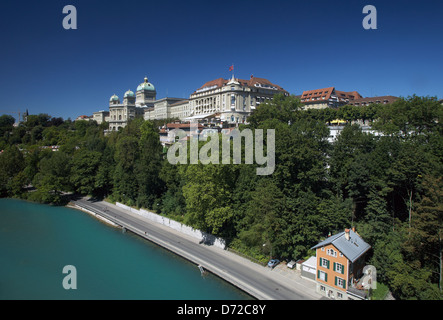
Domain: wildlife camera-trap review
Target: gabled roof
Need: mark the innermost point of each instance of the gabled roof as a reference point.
(312, 96)
(217, 82)
(351, 249)
(252, 82)
(378, 99)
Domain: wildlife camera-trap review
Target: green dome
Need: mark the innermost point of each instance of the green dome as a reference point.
(129, 93)
(146, 86)
(114, 98)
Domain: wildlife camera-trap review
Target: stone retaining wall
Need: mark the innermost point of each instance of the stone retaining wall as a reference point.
(202, 236)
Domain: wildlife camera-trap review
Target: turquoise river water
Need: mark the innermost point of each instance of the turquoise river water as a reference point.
(37, 241)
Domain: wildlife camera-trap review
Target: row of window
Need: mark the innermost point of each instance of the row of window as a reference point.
(315, 93)
(330, 294)
(339, 282)
(337, 267)
(331, 252)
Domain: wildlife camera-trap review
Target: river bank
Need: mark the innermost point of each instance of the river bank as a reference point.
(37, 241)
(258, 281)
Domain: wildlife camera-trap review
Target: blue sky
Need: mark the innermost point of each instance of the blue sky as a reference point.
(179, 45)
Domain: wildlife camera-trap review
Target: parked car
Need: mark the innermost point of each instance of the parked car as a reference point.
(291, 264)
(273, 262)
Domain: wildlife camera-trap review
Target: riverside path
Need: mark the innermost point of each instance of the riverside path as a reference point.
(260, 282)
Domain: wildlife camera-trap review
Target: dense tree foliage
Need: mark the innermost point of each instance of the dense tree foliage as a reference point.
(387, 184)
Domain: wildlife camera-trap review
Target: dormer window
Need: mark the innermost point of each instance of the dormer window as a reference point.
(331, 252)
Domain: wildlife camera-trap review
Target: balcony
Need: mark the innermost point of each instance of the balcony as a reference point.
(358, 293)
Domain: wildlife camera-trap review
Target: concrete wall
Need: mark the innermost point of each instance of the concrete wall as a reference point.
(202, 236)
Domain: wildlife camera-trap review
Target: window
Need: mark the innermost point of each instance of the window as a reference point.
(322, 275)
(331, 252)
(324, 263)
(339, 295)
(339, 282)
(338, 267)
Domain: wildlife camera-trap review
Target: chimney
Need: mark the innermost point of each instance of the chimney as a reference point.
(347, 234)
(353, 229)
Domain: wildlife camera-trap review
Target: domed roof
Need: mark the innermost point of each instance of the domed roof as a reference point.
(146, 86)
(113, 98)
(129, 93)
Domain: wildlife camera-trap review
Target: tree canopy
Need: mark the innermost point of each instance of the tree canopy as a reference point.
(388, 184)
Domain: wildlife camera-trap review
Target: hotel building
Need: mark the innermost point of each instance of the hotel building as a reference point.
(233, 100)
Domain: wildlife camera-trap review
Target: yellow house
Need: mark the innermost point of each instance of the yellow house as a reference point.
(340, 262)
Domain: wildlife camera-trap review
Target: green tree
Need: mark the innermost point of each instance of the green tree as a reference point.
(53, 178)
(12, 163)
(207, 193)
(148, 167)
(105, 172)
(125, 180)
(377, 221)
(281, 108)
(263, 220)
(410, 117)
(84, 165)
(426, 241)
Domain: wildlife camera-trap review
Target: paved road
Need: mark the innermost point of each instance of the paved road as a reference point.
(258, 281)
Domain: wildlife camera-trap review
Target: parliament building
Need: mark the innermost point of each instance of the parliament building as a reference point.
(225, 100)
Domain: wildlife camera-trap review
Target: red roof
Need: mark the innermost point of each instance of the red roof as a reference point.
(381, 99)
(220, 82)
(325, 94)
(183, 125)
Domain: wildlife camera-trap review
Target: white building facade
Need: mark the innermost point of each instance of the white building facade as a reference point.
(230, 101)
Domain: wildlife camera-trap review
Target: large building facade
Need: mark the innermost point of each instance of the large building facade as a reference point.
(341, 259)
(134, 105)
(373, 100)
(167, 108)
(121, 113)
(229, 101)
(327, 98)
(232, 100)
